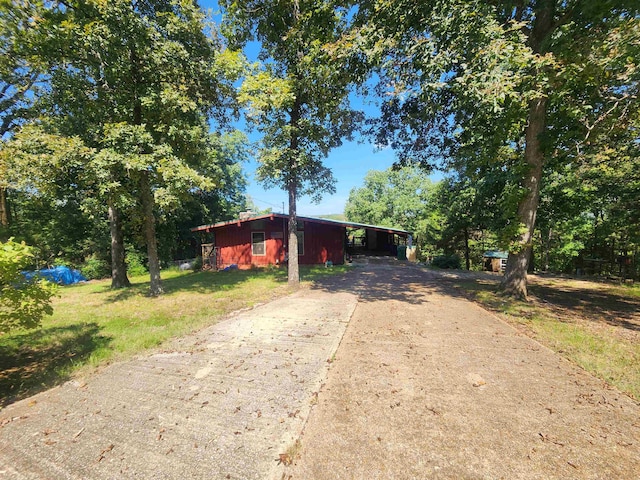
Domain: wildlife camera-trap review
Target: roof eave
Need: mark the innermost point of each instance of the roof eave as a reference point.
(324, 221)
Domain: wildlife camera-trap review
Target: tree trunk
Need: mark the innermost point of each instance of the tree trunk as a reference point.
(532, 258)
(4, 208)
(466, 249)
(119, 277)
(146, 195)
(149, 227)
(514, 282)
(546, 253)
(612, 256)
(293, 269)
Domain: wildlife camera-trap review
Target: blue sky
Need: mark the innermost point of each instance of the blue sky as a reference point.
(349, 164)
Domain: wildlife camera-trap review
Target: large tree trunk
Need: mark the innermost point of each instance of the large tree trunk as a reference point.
(514, 282)
(146, 195)
(293, 268)
(149, 226)
(119, 277)
(4, 208)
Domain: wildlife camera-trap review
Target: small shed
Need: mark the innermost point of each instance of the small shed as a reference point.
(495, 260)
(262, 240)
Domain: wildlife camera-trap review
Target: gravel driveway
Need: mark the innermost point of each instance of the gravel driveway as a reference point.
(427, 385)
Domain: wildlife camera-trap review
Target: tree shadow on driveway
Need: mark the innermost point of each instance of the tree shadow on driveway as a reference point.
(565, 298)
(393, 281)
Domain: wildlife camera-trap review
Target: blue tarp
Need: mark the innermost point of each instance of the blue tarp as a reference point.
(60, 275)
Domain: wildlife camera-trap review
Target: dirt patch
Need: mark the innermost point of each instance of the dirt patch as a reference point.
(427, 385)
(599, 304)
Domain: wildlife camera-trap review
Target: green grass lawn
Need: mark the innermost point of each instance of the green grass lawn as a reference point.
(595, 325)
(93, 325)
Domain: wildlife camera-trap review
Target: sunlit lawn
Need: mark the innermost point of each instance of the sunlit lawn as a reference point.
(93, 325)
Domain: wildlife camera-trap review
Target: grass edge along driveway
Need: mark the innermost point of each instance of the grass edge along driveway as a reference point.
(93, 325)
(593, 324)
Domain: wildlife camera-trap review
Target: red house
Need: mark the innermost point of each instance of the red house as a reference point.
(262, 240)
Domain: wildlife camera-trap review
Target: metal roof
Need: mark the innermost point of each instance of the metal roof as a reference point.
(325, 221)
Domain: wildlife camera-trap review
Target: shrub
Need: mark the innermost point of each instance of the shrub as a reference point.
(95, 268)
(135, 263)
(446, 261)
(197, 264)
(23, 302)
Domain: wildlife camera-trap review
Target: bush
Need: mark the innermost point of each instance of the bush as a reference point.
(135, 263)
(446, 261)
(197, 264)
(23, 302)
(95, 268)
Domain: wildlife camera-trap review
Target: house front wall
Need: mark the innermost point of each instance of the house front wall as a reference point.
(234, 243)
(322, 243)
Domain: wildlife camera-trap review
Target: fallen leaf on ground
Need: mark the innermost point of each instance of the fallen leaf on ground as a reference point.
(106, 450)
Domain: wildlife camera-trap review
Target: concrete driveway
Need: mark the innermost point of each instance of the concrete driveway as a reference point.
(222, 404)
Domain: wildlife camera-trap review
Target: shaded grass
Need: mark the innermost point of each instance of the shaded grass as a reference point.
(602, 348)
(93, 325)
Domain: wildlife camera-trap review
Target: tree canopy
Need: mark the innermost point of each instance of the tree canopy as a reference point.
(397, 198)
(525, 86)
(298, 97)
(135, 83)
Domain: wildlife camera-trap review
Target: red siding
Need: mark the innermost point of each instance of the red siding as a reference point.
(321, 243)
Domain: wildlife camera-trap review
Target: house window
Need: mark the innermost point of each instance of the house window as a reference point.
(257, 244)
(300, 236)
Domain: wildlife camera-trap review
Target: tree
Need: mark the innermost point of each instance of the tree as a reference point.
(457, 202)
(398, 198)
(515, 83)
(199, 207)
(299, 98)
(23, 302)
(49, 194)
(137, 81)
(20, 77)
